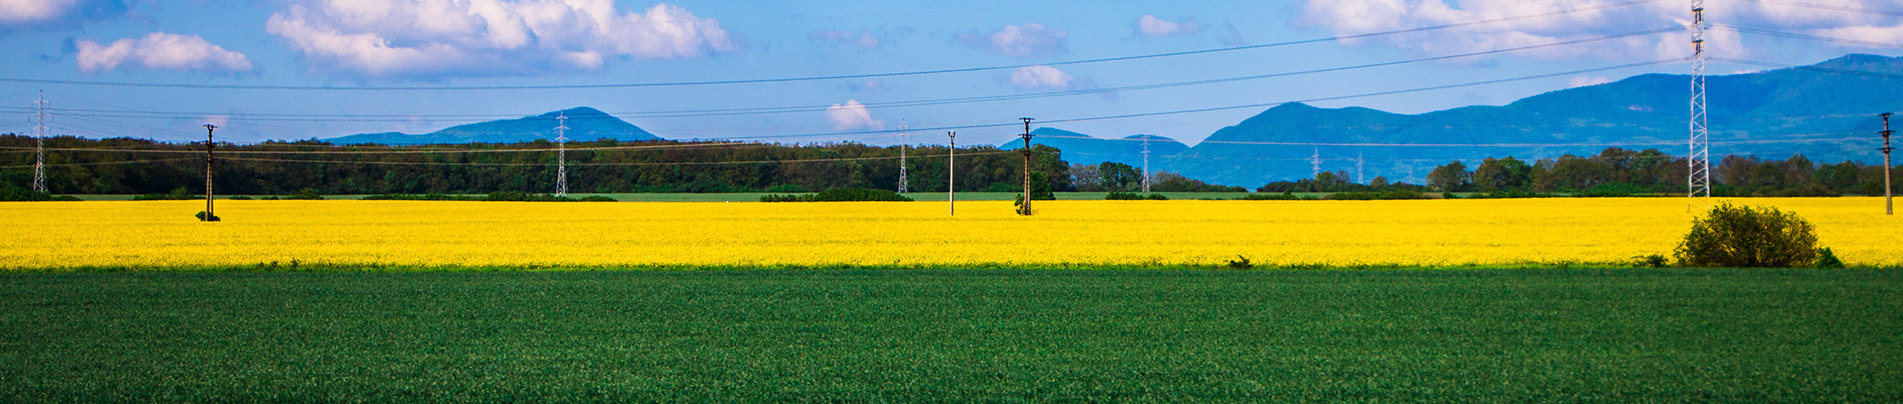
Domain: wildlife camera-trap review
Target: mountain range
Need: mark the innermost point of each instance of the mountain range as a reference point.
(583, 124)
(1825, 111)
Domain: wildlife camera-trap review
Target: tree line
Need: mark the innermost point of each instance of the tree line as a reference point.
(1621, 171)
(649, 166)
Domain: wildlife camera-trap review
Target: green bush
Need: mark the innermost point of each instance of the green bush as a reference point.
(306, 194)
(1827, 259)
(12, 193)
(1284, 196)
(180, 194)
(1131, 196)
(202, 217)
(1746, 237)
(1373, 196)
(841, 195)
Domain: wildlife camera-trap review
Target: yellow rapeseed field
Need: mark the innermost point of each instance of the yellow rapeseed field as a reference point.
(630, 234)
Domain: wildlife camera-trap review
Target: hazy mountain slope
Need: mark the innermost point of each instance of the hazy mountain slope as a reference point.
(584, 124)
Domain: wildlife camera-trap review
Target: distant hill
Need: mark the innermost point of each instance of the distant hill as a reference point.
(584, 124)
(1079, 148)
(1751, 114)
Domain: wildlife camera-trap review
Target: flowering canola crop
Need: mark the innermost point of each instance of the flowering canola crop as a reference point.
(164, 235)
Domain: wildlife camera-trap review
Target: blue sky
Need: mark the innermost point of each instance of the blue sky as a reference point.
(401, 43)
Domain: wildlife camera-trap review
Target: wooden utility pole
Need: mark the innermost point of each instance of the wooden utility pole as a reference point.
(1026, 208)
(209, 217)
(1888, 209)
(951, 173)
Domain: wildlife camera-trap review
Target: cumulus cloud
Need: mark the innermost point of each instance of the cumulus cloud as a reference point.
(862, 39)
(1349, 17)
(160, 51)
(1583, 81)
(379, 38)
(22, 14)
(1151, 26)
(1041, 76)
(852, 115)
(1026, 40)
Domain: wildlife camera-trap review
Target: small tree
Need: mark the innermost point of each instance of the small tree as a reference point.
(1746, 237)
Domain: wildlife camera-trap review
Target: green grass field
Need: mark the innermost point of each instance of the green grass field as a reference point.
(1366, 336)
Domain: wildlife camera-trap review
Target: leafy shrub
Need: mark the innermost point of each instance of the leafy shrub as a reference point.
(1284, 196)
(1747, 237)
(1828, 260)
(841, 195)
(1131, 196)
(306, 194)
(202, 217)
(500, 196)
(1652, 261)
(859, 195)
(1372, 196)
(1240, 262)
(180, 194)
(17, 194)
(785, 189)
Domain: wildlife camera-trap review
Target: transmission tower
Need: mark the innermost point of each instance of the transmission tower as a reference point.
(39, 144)
(1698, 180)
(1360, 176)
(905, 185)
(561, 154)
(1146, 164)
(1316, 162)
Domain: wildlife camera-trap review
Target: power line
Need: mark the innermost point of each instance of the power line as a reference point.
(830, 77)
(106, 163)
(888, 104)
(1847, 41)
(1834, 7)
(1000, 125)
(1811, 68)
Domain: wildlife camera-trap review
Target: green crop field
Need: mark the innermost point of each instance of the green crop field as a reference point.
(1599, 335)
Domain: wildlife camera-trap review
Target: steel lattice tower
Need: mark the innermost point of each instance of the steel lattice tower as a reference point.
(39, 144)
(1698, 178)
(1146, 164)
(905, 185)
(561, 154)
(1316, 162)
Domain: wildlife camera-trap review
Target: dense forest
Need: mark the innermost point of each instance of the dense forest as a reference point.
(1621, 171)
(136, 166)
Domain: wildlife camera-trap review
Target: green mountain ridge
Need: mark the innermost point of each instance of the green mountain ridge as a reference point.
(584, 124)
(1825, 111)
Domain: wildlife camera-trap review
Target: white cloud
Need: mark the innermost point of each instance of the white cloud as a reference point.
(1151, 26)
(489, 37)
(1041, 76)
(25, 11)
(56, 13)
(1030, 39)
(852, 115)
(1351, 17)
(162, 51)
(862, 39)
(1583, 81)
